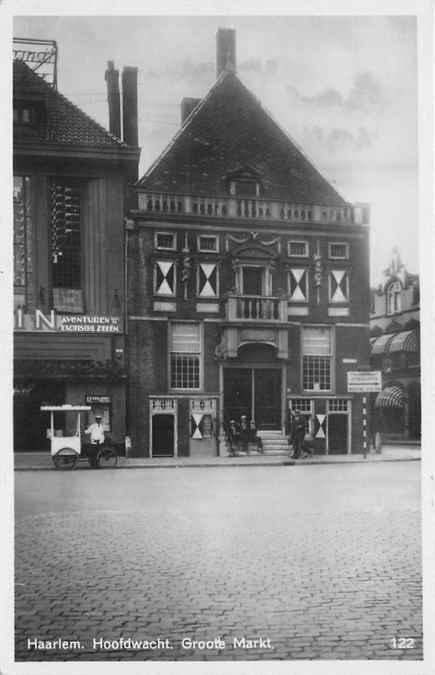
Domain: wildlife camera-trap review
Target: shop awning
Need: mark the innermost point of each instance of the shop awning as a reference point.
(405, 341)
(380, 344)
(390, 397)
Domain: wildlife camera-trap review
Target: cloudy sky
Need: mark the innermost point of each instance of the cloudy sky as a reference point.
(344, 88)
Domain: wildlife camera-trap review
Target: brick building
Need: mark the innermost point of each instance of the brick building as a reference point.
(70, 191)
(395, 350)
(248, 284)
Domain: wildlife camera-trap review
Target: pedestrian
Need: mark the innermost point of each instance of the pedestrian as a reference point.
(245, 434)
(232, 437)
(96, 440)
(297, 437)
(255, 438)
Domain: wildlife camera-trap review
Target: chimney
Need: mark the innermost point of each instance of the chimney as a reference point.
(187, 105)
(113, 99)
(225, 50)
(129, 106)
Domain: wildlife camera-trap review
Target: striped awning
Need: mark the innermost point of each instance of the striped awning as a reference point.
(405, 341)
(380, 344)
(390, 397)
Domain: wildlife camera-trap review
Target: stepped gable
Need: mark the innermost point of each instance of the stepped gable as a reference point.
(65, 122)
(231, 130)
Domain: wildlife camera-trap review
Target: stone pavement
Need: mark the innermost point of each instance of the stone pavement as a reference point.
(264, 563)
(42, 460)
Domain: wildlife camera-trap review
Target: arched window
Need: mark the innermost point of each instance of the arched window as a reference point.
(394, 298)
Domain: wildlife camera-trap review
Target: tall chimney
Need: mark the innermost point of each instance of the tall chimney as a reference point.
(225, 50)
(113, 99)
(187, 105)
(129, 106)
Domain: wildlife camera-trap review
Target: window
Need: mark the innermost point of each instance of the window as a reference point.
(207, 280)
(339, 286)
(317, 353)
(298, 249)
(165, 241)
(298, 285)
(164, 278)
(247, 188)
(185, 355)
(338, 251)
(253, 281)
(66, 235)
(208, 243)
(338, 405)
(394, 298)
(22, 239)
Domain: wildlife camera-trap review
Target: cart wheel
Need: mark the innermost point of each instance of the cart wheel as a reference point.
(66, 458)
(107, 458)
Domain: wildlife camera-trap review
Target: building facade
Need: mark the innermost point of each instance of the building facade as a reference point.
(248, 288)
(395, 350)
(71, 178)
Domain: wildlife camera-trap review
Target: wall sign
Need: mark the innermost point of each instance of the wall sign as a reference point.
(364, 381)
(65, 323)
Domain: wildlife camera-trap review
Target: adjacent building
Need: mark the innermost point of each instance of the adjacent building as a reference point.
(395, 350)
(248, 284)
(71, 180)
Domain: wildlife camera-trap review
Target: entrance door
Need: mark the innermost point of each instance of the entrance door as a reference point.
(237, 393)
(337, 434)
(254, 392)
(163, 435)
(267, 399)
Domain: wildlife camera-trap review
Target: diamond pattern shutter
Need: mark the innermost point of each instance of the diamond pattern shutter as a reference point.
(339, 286)
(207, 280)
(298, 282)
(165, 278)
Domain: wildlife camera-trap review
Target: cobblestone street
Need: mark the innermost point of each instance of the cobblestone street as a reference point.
(307, 562)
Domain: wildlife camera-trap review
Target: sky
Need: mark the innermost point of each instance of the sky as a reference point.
(343, 87)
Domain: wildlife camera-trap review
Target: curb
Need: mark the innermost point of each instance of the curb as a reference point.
(228, 465)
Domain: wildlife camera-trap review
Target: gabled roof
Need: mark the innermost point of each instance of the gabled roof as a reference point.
(230, 129)
(65, 122)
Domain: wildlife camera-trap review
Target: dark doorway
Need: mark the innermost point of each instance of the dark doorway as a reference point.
(30, 424)
(163, 435)
(237, 393)
(252, 281)
(337, 434)
(267, 388)
(254, 392)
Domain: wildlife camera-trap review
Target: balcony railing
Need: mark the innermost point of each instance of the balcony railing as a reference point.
(256, 308)
(252, 209)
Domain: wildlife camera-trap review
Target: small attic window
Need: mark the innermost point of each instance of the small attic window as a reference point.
(245, 188)
(23, 115)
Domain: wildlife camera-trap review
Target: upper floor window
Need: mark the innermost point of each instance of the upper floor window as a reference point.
(298, 249)
(245, 188)
(185, 355)
(165, 241)
(338, 286)
(207, 243)
(394, 298)
(66, 249)
(338, 250)
(317, 359)
(23, 232)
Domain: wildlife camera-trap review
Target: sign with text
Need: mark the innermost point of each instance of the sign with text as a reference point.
(363, 381)
(65, 323)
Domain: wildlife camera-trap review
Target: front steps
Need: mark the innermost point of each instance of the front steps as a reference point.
(274, 442)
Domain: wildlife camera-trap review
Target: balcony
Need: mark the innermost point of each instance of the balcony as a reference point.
(250, 209)
(256, 308)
